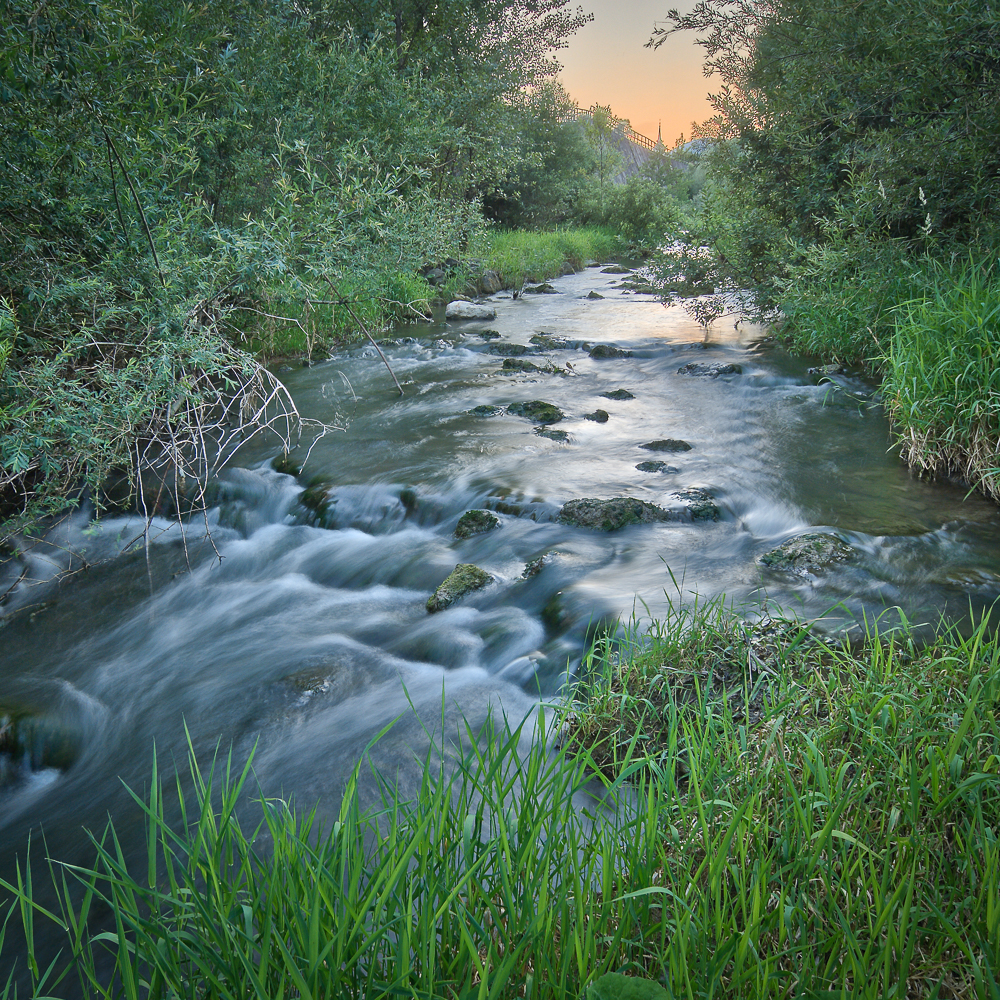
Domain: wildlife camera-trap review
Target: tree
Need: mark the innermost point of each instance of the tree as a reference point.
(847, 124)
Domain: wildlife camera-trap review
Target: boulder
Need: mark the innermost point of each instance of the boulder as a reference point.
(610, 515)
(490, 283)
(807, 554)
(656, 467)
(700, 503)
(709, 371)
(566, 269)
(608, 351)
(486, 410)
(489, 334)
(537, 410)
(616, 269)
(598, 416)
(519, 365)
(543, 289)
(476, 522)
(464, 579)
(594, 295)
(469, 310)
(618, 394)
(666, 444)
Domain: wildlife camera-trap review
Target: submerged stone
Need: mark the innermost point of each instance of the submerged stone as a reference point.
(700, 503)
(807, 554)
(601, 351)
(618, 394)
(519, 365)
(285, 464)
(666, 444)
(476, 522)
(656, 467)
(547, 343)
(506, 350)
(709, 371)
(537, 410)
(552, 434)
(610, 515)
(534, 566)
(598, 416)
(464, 579)
(486, 410)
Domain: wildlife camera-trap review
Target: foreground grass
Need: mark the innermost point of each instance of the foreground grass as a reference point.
(774, 816)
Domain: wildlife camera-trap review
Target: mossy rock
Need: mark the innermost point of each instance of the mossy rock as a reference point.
(464, 579)
(547, 343)
(507, 350)
(594, 295)
(618, 394)
(700, 504)
(807, 554)
(545, 288)
(476, 522)
(656, 467)
(602, 351)
(537, 410)
(552, 433)
(709, 371)
(616, 269)
(666, 444)
(519, 365)
(598, 416)
(486, 410)
(610, 515)
(489, 334)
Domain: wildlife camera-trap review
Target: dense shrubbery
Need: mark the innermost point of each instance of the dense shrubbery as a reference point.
(854, 158)
(185, 185)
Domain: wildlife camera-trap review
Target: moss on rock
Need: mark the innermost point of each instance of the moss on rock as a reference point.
(610, 515)
(476, 522)
(464, 579)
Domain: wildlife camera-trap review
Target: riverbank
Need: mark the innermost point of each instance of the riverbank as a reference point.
(773, 814)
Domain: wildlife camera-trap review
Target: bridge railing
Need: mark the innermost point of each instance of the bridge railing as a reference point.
(619, 125)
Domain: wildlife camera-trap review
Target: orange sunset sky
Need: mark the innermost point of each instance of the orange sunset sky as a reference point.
(606, 63)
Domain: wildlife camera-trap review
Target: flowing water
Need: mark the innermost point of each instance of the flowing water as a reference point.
(311, 633)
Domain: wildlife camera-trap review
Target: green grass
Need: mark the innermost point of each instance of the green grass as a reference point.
(519, 256)
(778, 816)
(942, 381)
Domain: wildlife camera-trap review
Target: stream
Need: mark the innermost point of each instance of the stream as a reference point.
(308, 633)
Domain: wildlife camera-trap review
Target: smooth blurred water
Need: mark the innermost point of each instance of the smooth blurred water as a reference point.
(310, 634)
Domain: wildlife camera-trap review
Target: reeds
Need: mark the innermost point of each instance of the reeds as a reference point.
(732, 810)
(942, 384)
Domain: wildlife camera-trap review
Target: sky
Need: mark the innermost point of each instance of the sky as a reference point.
(606, 63)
